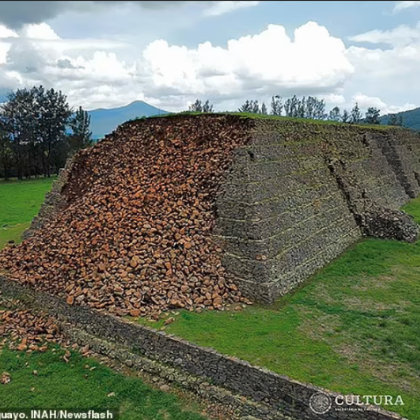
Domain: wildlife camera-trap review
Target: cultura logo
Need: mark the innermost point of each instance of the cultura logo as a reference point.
(320, 403)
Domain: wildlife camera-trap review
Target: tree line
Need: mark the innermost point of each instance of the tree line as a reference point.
(306, 107)
(38, 132)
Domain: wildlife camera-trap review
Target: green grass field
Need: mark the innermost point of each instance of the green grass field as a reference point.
(82, 384)
(19, 203)
(353, 328)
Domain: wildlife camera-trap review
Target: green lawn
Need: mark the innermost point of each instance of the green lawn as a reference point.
(82, 384)
(19, 203)
(353, 328)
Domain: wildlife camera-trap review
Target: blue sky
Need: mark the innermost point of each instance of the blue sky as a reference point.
(106, 54)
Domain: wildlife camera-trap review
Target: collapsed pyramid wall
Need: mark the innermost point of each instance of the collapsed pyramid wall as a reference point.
(300, 193)
(168, 212)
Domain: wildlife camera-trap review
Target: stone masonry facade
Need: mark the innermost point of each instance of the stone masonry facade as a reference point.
(300, 193)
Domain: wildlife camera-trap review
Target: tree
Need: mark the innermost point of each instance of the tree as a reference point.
(300, 111)
(319, 109)
(263, 109)
(393, 119)
(196, 106)
(53, 117)
(18, 118)
(345, 118)
(372, 116)
(81, 136)
(355, 115)
(6, 155)
(335, 114)
(250, 106)
(35, 120)
(276, 105)
(291, 106)
(255, 107)
(207, 107)
(246, 107)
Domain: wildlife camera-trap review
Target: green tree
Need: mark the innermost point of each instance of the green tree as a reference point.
(291, 106)
(393, 119)
(196, 106)
(345, 118)
(255, 107)
(246, 107)
(263, 109)
(53, 117)
(319, 109)
(250, 106)
(35, 120)
(276, 105)
(207, 107)
(372, 116)
(355, 115)
(18, 118)
(6, 155)
(81, 136)
(335, 114)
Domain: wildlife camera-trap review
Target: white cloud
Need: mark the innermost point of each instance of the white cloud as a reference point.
(222, 7)
(365, 102)
(268, 61)
(401, 5)
(257, 66)
(7, 33)
(400, 36)
(333, 99)
(39, 31)
(107, 73)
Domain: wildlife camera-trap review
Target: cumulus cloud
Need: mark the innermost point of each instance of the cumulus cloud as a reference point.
(310, 61)
(271, 62)
(401, 5)
(267, 62)
(334, 99)
(365, 102)
(41, 31)
(222, 7)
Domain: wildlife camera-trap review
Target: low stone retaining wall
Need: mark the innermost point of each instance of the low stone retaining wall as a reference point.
(283, 397)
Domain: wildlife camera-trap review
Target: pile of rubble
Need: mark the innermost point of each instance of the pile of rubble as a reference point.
(134, 238)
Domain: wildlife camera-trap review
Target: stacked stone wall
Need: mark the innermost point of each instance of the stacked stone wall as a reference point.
(299, 194)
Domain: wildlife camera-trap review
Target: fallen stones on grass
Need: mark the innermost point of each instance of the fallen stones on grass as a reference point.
(25, 331)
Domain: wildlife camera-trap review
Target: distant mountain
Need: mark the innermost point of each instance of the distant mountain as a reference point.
(104, 121)
(411, 119)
